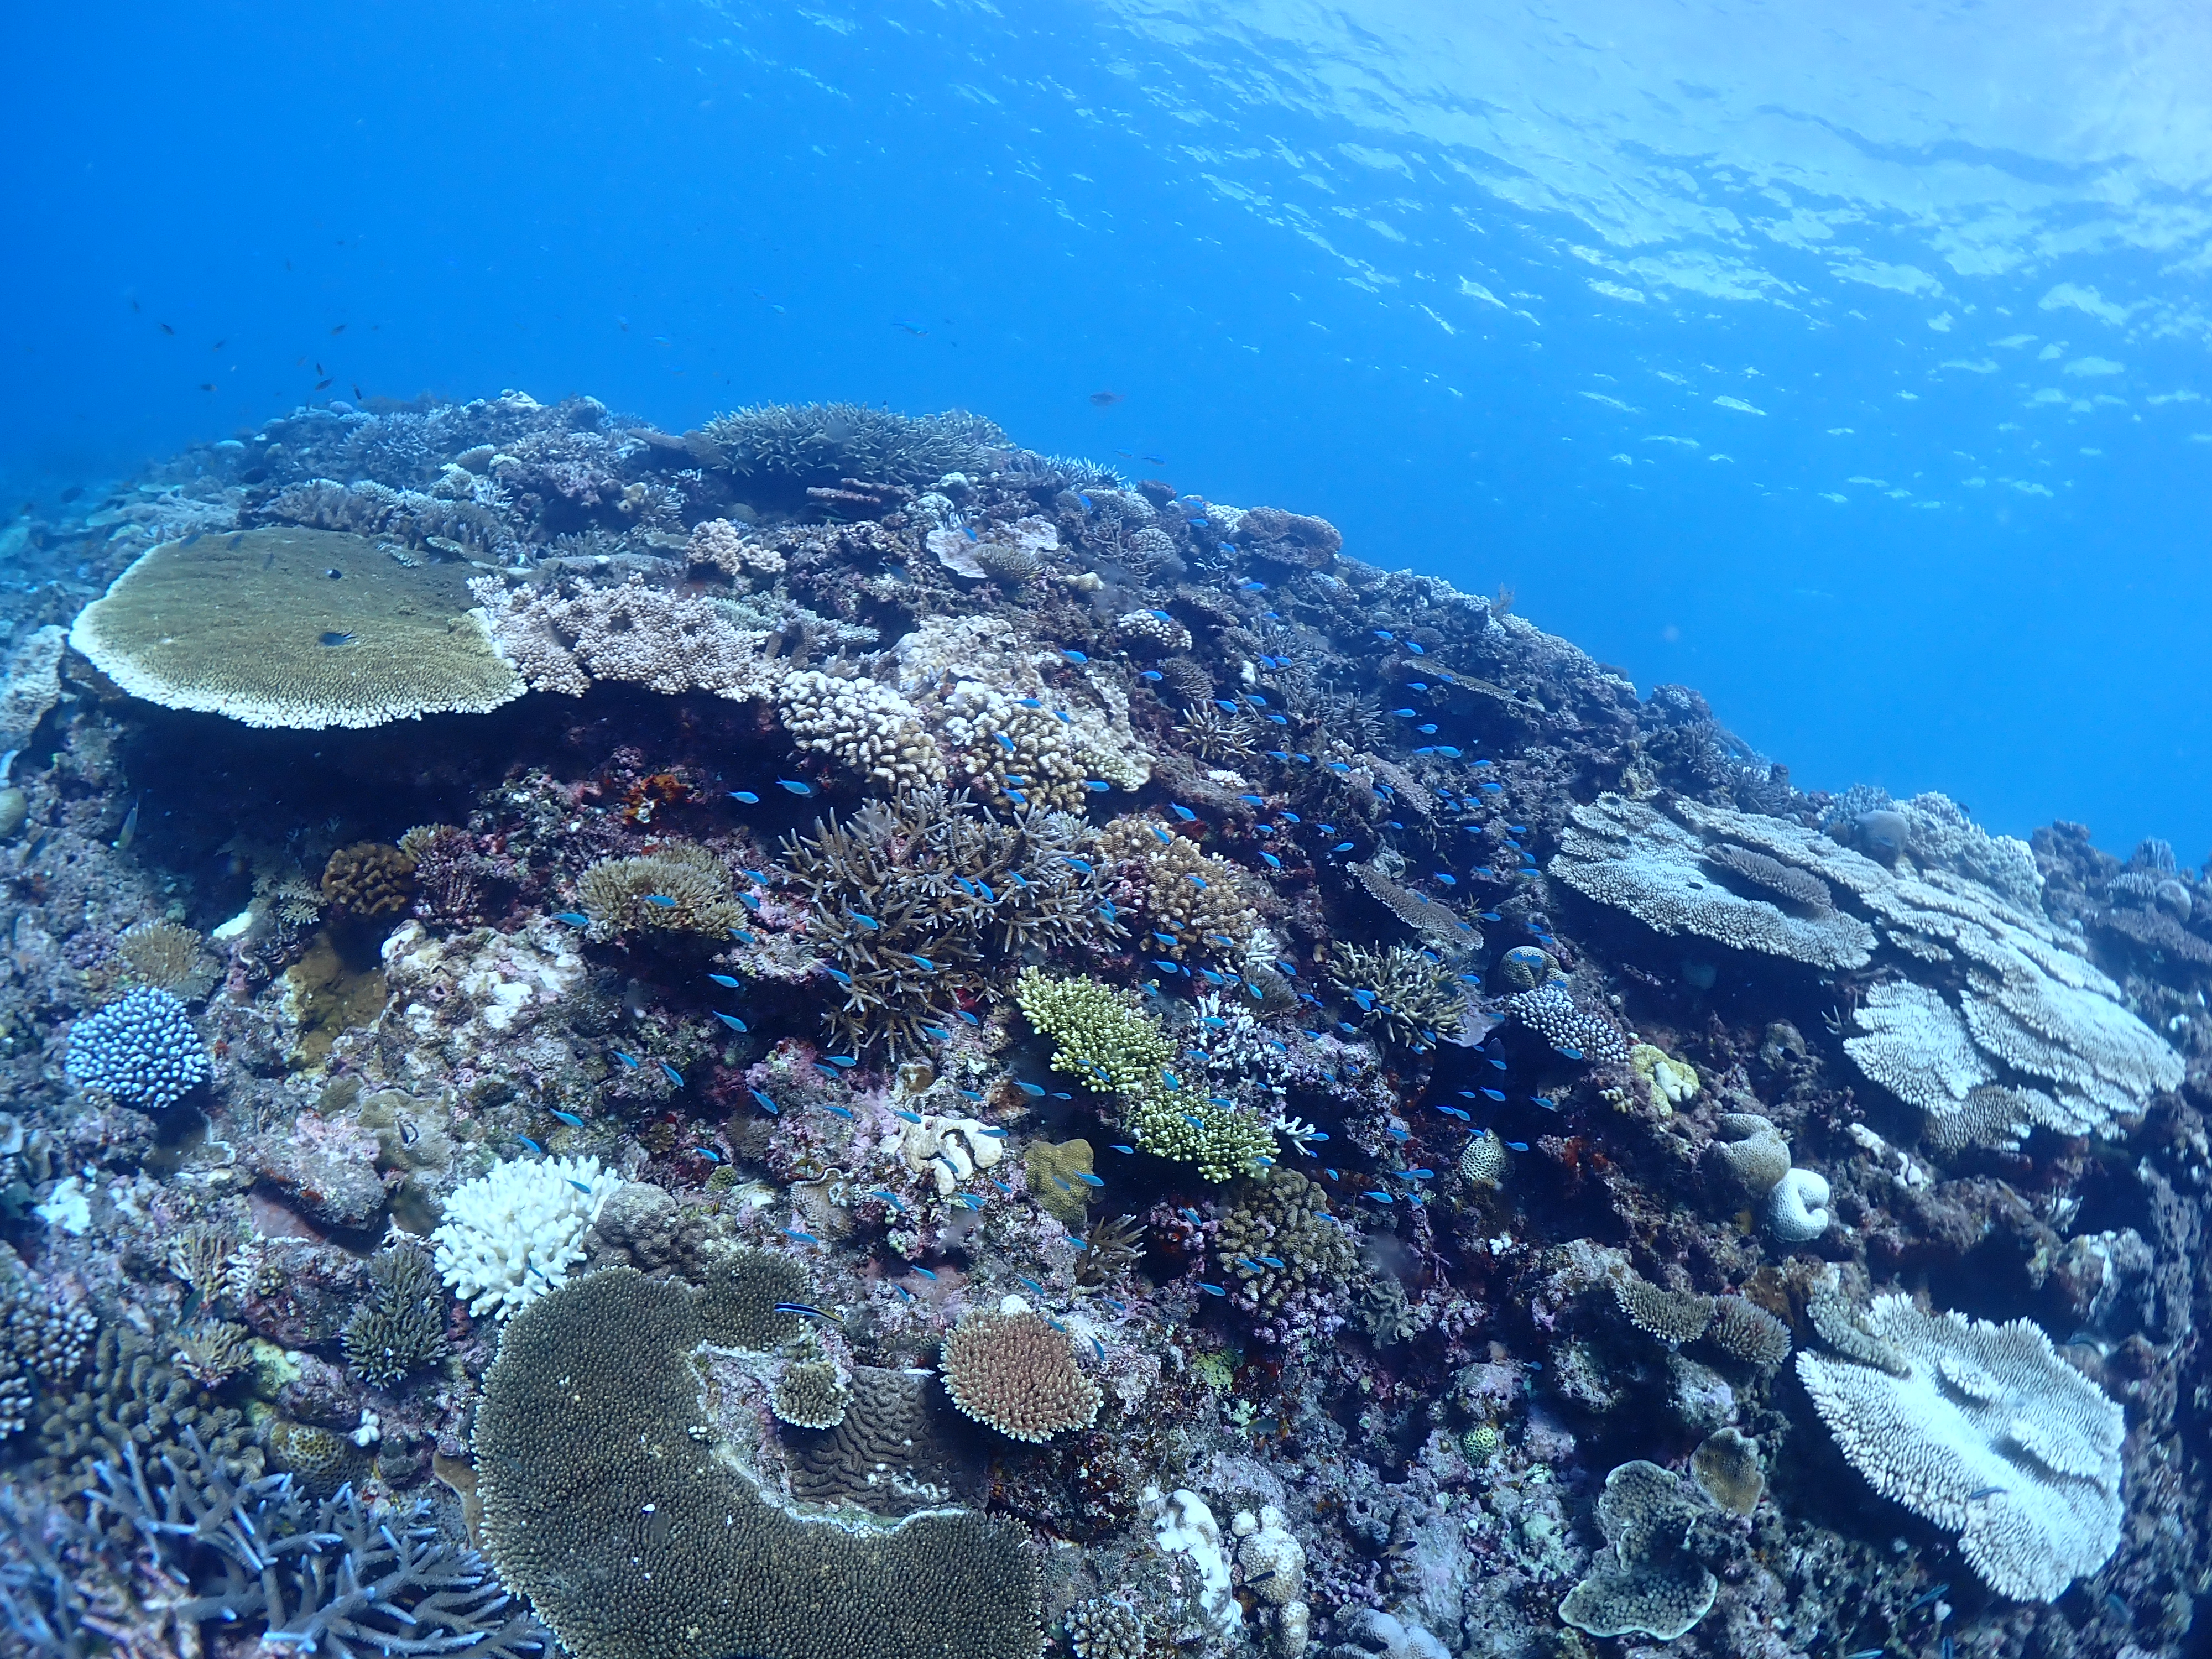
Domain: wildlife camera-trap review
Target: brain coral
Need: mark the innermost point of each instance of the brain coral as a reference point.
(304, 629)
(1987, 1433)
(635, 1535)
(1018, 1372)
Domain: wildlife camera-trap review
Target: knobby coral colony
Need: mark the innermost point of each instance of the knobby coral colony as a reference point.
(948, 1028)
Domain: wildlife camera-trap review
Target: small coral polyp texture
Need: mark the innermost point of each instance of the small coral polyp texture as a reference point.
(140, 1050)
(1017, 1373)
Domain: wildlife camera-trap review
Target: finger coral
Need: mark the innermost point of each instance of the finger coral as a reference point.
(1190, 897)
(1108, 1043)
(1017, 1374)
(865, 726)
(368, 879)
(1411, 998)
(140, 1050)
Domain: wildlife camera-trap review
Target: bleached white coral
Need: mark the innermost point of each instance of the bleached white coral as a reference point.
(1186, 1526)
(866, 725)
(950, 1149)
(512, 1235)
(1987, 1433)
(1797, 1206)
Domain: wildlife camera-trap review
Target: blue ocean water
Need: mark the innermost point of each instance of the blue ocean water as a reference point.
(1849, 369)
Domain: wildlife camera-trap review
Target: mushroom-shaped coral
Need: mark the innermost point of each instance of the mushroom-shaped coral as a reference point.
(1984, 1430)
(300, 628)
(1017, 1373)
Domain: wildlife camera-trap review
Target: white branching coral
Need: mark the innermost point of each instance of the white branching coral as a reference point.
(1985, 1431)
(669, 641)
(512, 1235)
(863, 725)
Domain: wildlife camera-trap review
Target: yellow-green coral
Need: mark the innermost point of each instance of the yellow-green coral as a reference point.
(1115, 1046)
(1672, 1081)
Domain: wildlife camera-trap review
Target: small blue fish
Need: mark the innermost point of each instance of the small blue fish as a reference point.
(1454, 1111)
(1377, 1194)
(1096, 785)
(768, 1105)
(1545, 1101)
(1153, 674)
(629, 1060)
(1420, 1175)
(1494, 1060)
(1000, 1185)
(730, 1020)
(743, 937)
(746, 796)
(1028, 702)
(724, 981)
(926, 1274)
(1106, 910)
(1174, 1083)
(1192, 1216)
(1088, 1180)
(673, 1074)
(970, 1094)
(1416, 648)
(997, 1134)
(1084, 865)
(807, 1310)
(1494, 1094)
(569, 1118)
(844, 1060)
(1342, 847)
(1937, 1593)
(573, 918)
(1518, 1145)
(837, 973)
(709, 1154)
(580, 1186)
(1035, 1092)
(1167, 967)
(840, 1111)
(1116, 1147)
(938, 1032)
(987, 894)
(868, 923)
(803, 1238)
(1246, 1262)
(1403, 714)
(911, 1117)
(1447, 878)
(750, 903)
(532, 1145)
(1447, 751)
(1984, 1492)
(1398, 1134)
(794, 786)
(1017, 798)
(1165, 839)
(965, 1015)
(336, 639)
(1572, 1053)
(903, 1291)
(1075, 656)
(1386, 637)
(968, 1201)
(1225, 707)
(1212, 1290)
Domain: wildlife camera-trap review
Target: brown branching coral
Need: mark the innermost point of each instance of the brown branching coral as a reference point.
(1278, 1241)
(923, 895)
(679, 888)
(401, 1326)
(213, 1350)
(368, 879)
(1198, 901)
(1017, 1374)
(1117, 1245)
(167, 956)
(1413, 1000)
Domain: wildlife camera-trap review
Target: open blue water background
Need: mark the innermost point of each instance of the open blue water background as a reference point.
(1850, 371)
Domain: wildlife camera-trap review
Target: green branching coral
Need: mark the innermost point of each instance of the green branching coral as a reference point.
(1113, 1046)
(619, 1515)
(1413, 999)
(401, 1326)
(925, 895)
(1279, 1241)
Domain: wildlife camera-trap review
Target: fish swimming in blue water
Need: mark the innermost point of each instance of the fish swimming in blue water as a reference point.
(1212, 1290)
(1035, 1092)
(1518, 1145)
(724, 981)
(1075, 657)
(532, 1145)
(335, 638)
(1116, 1147)
(840, 1111)
(794, 786)
(1377, 1194)
(746, 796)
(837, 973)
(743, 937)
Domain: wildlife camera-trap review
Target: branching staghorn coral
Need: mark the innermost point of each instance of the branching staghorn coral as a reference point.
(1413, 1000)
(1113, 1046)
(925, 896)
(1197, 900)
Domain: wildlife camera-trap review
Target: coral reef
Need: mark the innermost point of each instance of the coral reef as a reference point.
(952, 1045)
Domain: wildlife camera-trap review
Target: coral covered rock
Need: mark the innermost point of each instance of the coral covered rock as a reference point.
(1644, 1582)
